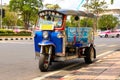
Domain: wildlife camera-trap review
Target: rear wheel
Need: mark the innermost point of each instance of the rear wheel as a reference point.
(106, 36)
(89, 55)
(43, 64)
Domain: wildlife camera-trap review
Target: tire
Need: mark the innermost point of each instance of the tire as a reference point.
(117, 35)
(42, 65)
(90, 55)
(106, 36)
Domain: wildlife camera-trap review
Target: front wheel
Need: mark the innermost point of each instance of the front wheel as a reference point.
(90, 55)
(43, 64)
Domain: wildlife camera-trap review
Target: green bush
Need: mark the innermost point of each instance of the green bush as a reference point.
(4, 32)
(23, 33)
(10, 31)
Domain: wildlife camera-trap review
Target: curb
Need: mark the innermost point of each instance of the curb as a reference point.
(16, 38)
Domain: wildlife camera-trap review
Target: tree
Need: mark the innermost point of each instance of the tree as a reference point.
(51, 6)
(96, 6)
(72, 22)
(26, 8)
(112, 1)
(107, 22)
(10, 19)
(86, 22)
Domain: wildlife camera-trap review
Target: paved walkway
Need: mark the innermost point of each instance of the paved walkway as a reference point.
(107, 68)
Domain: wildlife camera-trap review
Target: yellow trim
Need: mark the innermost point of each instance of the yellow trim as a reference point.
(46, 27)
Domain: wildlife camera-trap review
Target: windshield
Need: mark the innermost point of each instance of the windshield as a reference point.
(49, 20)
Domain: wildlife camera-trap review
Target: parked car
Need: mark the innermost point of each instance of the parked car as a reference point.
(109, 33)
(118, 30)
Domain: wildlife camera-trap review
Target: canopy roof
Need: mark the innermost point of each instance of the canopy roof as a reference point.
(71, 12)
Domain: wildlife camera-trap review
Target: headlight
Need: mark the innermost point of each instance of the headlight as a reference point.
(45, 34)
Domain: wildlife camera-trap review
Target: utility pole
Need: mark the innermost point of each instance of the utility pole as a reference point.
(1, 15)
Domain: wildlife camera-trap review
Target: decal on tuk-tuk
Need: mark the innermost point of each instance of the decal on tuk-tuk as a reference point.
(79, 36)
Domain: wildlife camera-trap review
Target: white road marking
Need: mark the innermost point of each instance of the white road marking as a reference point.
(105, 53)
(112, 45)
(101, 45)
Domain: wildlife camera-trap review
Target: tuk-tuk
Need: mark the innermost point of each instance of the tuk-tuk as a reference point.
(55, 41)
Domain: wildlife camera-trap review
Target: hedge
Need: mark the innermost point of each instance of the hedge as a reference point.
(4, 32)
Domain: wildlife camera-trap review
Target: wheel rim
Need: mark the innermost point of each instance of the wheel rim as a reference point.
(46, 66)
(43, 64)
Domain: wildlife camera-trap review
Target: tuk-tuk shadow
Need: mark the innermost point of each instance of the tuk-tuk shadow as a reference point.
(68, 65)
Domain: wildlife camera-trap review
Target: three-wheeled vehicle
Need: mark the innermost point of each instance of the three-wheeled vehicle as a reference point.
(55, 41)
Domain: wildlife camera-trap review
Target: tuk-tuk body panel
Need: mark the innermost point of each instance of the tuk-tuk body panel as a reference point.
(80, 37)
(37, 39)
(52, 40)
(57, 41)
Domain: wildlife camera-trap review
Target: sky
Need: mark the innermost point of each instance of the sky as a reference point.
(74, 4)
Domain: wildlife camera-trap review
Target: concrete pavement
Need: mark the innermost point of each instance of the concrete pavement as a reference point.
(106, 68)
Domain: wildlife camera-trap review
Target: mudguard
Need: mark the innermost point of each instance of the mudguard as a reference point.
(46, 42)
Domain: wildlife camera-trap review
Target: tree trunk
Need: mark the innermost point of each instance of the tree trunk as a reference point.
(25, 21)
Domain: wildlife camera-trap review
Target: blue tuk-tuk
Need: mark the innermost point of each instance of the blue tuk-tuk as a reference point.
(55, 41)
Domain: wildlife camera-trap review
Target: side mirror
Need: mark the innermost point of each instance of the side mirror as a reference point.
(76, 18)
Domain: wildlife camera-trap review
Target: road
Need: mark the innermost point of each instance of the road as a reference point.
(17, 59)
(106, 44)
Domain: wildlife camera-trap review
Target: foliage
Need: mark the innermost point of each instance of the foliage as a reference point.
(51, 6)
(72, 22)
(84, 22)
(10, 18)
(68, 24)
(19, 22)
(4, 32)
(112, 1)
(27, 9)
(96, 6)
(107, 22)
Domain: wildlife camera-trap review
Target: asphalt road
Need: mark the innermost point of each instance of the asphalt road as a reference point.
(17, 59)
(106, 44)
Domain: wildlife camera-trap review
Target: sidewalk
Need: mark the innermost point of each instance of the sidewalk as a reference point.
(107, 68)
